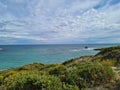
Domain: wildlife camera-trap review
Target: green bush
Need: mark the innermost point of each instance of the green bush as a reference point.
(34, 66)
(10, 72)
(31, 81)
(96, 74)
(1, 79)
(48, 67)
(88, 75)
(69, 87)
(109, 63)
(73, 78)
(70, 77)
(58, 70)
(26, 80)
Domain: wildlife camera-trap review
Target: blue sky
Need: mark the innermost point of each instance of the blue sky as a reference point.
(59, 21)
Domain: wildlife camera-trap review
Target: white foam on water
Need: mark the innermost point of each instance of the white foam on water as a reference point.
(89, 49)
(75, 50)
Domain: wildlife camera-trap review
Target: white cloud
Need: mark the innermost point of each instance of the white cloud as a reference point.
(58, 20)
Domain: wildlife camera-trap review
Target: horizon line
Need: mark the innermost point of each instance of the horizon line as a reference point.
(62, 44)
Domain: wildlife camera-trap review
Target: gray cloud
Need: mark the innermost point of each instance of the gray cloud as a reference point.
(59, 21)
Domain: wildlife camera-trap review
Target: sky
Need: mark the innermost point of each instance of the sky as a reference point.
(59, 21)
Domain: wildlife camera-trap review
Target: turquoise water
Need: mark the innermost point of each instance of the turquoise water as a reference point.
(18, 55)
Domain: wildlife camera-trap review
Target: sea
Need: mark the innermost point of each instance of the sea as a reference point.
(12, 56)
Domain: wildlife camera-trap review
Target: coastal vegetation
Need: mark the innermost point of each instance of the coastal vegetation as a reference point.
(98, 72)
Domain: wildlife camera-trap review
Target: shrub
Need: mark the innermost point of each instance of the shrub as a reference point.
(58, 70)
(1, 79)
(31, 81)
(95, 74)
(70, 87)
(108, 62)
(10, 72)
(48, 67)
(88, 75)
(73, 78)
(34, 66)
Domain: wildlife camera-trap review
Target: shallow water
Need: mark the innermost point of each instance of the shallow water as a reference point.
(18, 55)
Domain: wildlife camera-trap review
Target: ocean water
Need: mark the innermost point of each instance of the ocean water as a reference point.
(17, 55)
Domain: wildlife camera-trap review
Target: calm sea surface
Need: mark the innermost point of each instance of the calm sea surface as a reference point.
(18, 55)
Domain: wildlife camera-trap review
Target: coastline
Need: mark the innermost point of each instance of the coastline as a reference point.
(75, 74)
(76, 58)
(72, 59)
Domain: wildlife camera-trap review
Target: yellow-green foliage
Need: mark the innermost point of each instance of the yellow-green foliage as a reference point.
(58, 70)
(1, 79)
(10, 72)
(111, 53)
(69, 87)
(109, 49)
(31, 81)
(109, 63)
(48, 67)
(77, 60)
(88, 74)
(34, 66)
(95, 73)
(63, 77)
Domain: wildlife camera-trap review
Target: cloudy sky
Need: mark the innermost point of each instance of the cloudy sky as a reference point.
(59, 21)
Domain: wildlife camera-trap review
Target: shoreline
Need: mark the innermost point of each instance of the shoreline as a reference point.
(46, 64)
(85, 69)
(96, 49)
(75, 58)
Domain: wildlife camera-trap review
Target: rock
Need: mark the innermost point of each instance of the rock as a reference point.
(86, 47)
